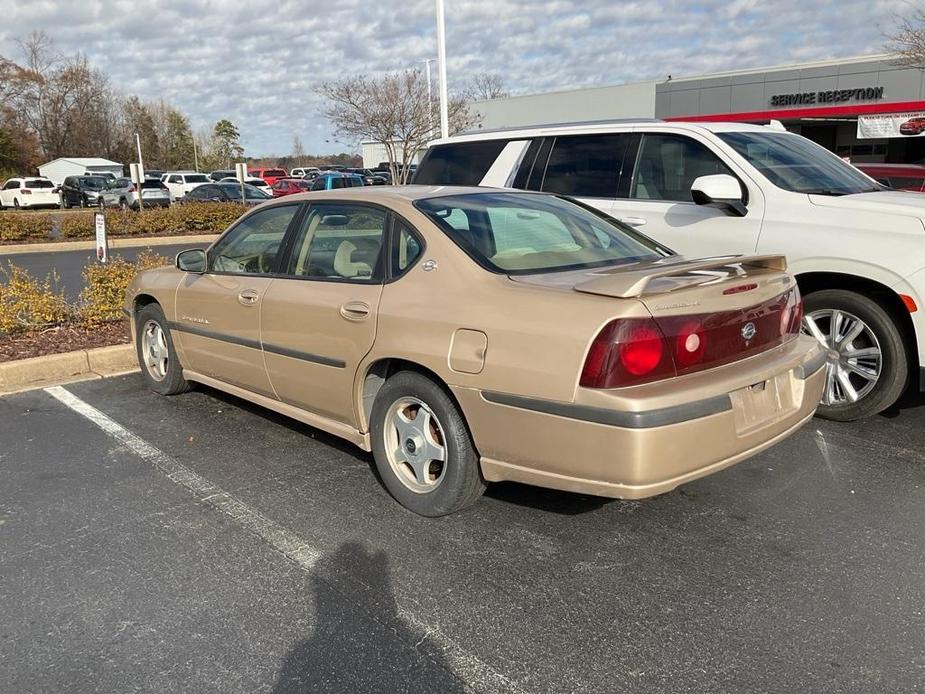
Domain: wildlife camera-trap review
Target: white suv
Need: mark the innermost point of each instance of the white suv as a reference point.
(179, 183)
(856, 247)
(29, 192)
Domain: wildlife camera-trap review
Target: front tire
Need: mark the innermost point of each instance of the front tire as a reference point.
(868, 359)
(157, 357)
(422, 447)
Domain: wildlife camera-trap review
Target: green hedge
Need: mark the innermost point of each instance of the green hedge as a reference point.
(201, 218)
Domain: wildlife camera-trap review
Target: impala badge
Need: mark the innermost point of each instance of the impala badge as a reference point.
(749, 331)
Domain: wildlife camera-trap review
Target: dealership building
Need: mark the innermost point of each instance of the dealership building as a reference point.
(864, 108)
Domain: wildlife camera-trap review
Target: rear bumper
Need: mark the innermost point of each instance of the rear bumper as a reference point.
(637, 454)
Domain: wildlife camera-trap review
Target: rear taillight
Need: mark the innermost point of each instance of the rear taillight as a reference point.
(641, 350)
(627, 352)
(133, 189)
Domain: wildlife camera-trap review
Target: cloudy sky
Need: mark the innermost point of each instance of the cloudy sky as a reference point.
(256, 62)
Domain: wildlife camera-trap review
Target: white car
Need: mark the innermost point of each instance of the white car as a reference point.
(258, 183)
(710, 189)
(303, 171)
(179, 183)
(28, 193)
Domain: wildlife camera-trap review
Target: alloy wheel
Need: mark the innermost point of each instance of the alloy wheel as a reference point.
(415, 445)
(855, 360)
(155, 351)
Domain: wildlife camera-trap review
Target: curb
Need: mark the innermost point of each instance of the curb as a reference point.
(68, 367)
(114, 243)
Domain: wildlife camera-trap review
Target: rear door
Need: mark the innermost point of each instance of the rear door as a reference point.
(218, 312)
(658, 200)
(319, 321)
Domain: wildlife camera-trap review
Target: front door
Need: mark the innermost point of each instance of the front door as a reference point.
(320, 321)
(218, 312)
(660, 204)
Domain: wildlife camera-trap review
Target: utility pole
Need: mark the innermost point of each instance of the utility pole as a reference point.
(441, 55)
(195, 155)
(141, 174)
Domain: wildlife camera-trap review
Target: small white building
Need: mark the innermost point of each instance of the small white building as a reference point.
(61, 168)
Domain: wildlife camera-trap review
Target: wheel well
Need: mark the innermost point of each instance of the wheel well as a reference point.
(810, 282)
(380, 370)
(141, 301)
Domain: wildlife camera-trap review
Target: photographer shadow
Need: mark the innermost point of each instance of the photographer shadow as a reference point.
(360, 641)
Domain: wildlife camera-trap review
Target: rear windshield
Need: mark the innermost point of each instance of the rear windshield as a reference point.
(522, 233)
(197, 178)
(459, 163)
(274, 172)
(38, 183)
(152, 183)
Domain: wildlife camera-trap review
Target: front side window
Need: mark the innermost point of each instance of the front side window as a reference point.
(319, 184)
(586, 165)
(339, 241)
(252, 245)
(176, 179)
(796, 164)
(668, 165)
(522, 233)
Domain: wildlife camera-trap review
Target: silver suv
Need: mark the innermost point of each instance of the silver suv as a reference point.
(123, 193)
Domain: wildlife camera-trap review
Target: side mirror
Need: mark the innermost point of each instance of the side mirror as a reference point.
(721, 191)
(192, 260)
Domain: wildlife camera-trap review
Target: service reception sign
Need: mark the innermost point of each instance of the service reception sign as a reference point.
(910, 124)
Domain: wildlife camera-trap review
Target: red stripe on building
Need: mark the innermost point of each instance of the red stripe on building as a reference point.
(815, 112)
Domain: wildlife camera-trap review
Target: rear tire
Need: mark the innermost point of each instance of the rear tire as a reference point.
(874, 363)
(412, 424)
(16, 205)
(157, 357)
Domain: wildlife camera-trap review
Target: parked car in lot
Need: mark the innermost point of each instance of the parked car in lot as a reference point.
(369, 178)
(269, 175)
(897, 176)
(226, 192)
(28, 193)
(123, 193)
(330, 180)
(258, 183)
(81, 191)
(180, 183)
(223, 173)
(467, 335)
(290, 186)
(305, 171)
(857, 249)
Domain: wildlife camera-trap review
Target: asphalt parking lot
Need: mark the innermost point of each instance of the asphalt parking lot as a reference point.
(199, 544)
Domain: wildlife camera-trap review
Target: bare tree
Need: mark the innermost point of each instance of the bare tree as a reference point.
(298, 152)
(486, 85)
(908, 40)
(392, 110)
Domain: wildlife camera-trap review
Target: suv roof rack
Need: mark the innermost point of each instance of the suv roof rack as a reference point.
(571, 124)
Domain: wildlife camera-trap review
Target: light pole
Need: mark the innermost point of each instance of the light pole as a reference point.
(141, 175)
(441, 55)
(430, 97)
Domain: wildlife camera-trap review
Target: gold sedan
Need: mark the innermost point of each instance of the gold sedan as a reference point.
(470, 335)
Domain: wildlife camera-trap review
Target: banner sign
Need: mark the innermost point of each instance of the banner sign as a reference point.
(910, 124)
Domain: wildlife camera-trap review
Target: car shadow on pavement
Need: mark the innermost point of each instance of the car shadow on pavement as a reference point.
(547, 500)
(912, 399)
(360, 642)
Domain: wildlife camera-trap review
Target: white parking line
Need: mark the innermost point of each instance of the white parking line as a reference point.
(469, 668)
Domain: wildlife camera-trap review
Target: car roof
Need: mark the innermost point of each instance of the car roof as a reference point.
(599, 127)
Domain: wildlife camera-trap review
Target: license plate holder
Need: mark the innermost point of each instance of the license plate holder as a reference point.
(762, 403)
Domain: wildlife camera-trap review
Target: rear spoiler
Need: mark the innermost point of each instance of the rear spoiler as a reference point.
(627, 284)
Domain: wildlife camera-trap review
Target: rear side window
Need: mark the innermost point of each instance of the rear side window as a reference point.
(669, 165)
(586, 165)
(459, 163)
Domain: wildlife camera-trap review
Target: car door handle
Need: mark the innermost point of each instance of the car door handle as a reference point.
(355, 310)
(633, 221)
(248, 297)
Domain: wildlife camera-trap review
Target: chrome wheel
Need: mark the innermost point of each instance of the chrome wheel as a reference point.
(415, 445)
(154, 349)
(855, 359)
